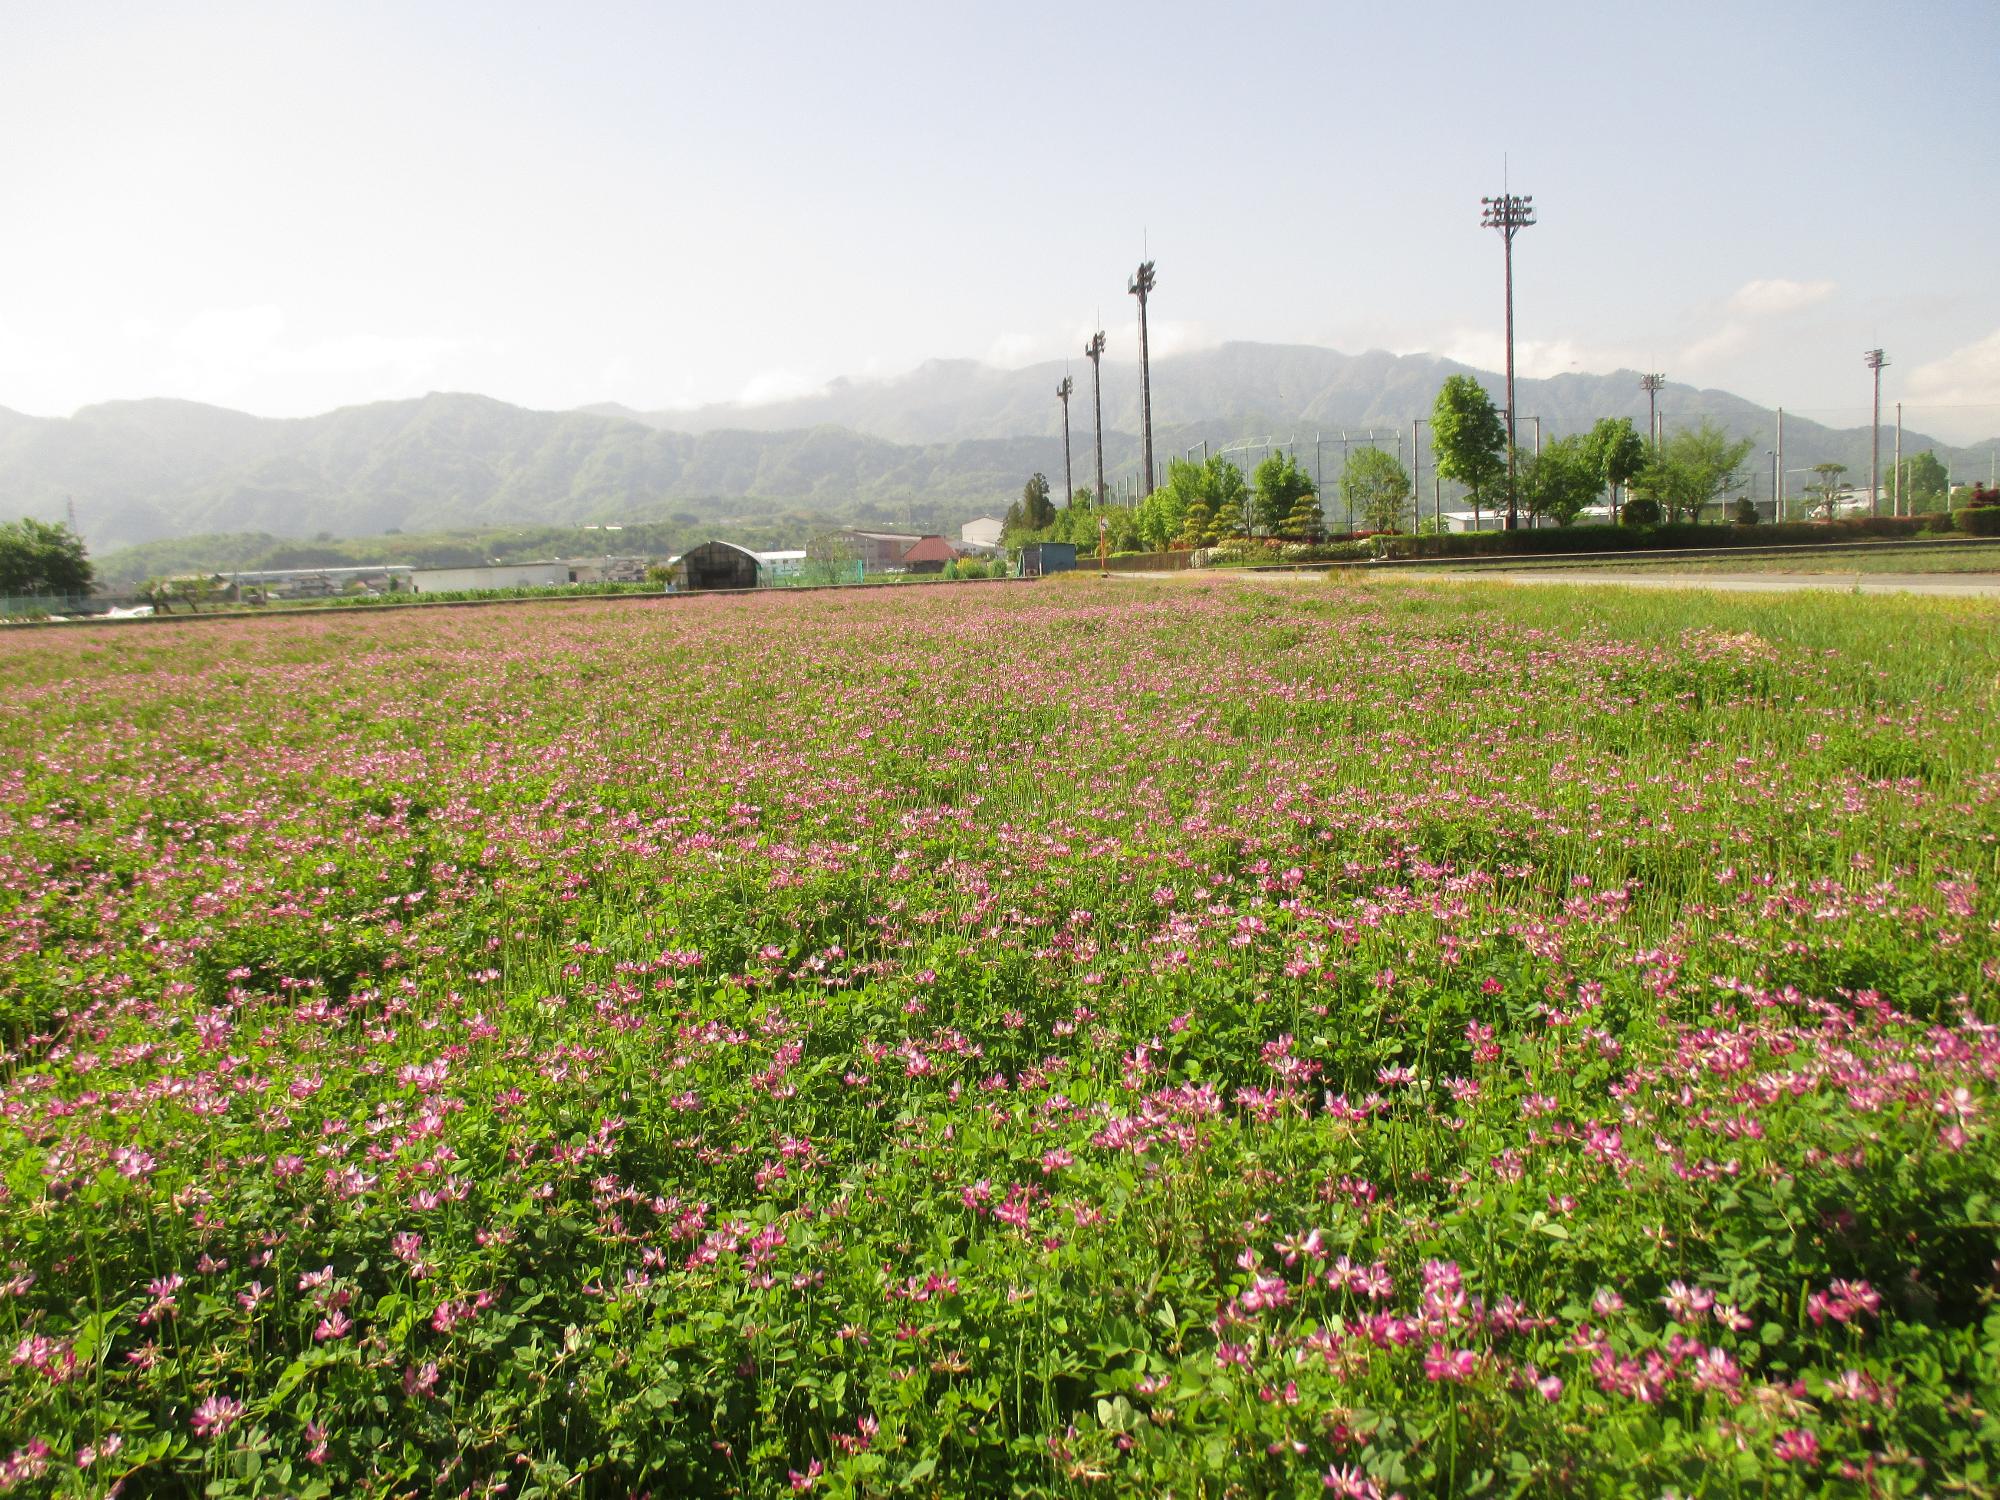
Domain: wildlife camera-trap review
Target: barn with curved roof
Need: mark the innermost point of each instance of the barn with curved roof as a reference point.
(718, 565)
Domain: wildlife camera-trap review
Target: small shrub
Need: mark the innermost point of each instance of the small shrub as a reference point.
(1978, 520)
(1640, 512)
(1744, 513)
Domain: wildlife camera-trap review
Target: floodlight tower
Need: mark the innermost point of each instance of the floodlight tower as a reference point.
(1651, 385)
(1063, 393)
(1509, 213)
(1874, 360)
(1142, 288)
(1094, 352)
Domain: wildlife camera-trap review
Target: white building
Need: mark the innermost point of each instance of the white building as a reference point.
(780, 567)
(983, 531)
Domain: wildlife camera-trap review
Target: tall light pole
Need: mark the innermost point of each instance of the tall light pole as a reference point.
(1094, 352)
(1509, 213)
(1063, 393)
(1142, 288)
(1874, 360)
(1651, 385)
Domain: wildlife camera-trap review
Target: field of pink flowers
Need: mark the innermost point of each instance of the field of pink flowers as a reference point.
(1076, 1039)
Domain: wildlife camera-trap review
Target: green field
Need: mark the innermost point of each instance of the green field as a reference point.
(1072, 1039)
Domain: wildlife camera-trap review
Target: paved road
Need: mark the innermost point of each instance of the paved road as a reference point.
(1946, 585)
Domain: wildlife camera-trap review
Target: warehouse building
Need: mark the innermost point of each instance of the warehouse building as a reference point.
(719, 565)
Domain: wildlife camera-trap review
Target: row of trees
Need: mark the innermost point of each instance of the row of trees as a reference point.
(1675, 480)
(1200, 505)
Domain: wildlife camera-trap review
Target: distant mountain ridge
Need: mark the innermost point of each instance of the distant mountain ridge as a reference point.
(1235, 389)
(947, 441)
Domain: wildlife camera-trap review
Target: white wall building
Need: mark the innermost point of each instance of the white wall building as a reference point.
(780, 567)
(985, 531)
(541, 575)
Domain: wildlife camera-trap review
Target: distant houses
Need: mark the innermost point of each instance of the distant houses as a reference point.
(876, 551)
(904, 551)
(854, 552)
(553, 573)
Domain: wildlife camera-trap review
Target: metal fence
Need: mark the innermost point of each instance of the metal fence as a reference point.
(67, 606)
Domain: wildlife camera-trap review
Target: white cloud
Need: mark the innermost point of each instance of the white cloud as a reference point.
(1958, 397)
(1168, 336)
(402, 359)
(1537, 359)
(1727, 339)
(1012, 351)
(1777, 294)
(229, 353)
(771, 386)
(1767, 297)
(1164, 337)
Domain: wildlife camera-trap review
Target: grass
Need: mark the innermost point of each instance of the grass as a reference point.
(1073, 1039)
(1966, 557)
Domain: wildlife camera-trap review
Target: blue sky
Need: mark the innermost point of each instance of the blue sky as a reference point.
(287, 207)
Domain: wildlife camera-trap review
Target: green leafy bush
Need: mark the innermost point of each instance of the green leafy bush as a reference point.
(1636, 530)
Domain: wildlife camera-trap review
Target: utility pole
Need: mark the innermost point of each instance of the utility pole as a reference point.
(1094, 352)
(1142, 288)
(1651, 384)
(1509, 213)
(1781, 466)
(1897, 493)
(1874, 360)
(1063, 393)
(1416, 473)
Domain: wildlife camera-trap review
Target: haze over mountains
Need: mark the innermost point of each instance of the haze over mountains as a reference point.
(949, 440)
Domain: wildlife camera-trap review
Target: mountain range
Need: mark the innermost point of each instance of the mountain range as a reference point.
(947, 441)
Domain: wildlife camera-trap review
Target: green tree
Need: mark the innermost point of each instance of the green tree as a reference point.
(1305, 522)
(1691, 470)
(1197, 525)
(1082, 496)
(1037, 509)
(1618, 452)
(1375, 487)
(1224, 485)
(1828, 489)
(1468, 437)
(1160, 518)
(831, 558)
(1163, 515)
(1281, 485)
(1558, 482)
(1230, 522)
(1923, 483)
(39, 558)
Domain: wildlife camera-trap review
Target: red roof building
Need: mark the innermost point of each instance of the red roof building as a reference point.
(928, 556)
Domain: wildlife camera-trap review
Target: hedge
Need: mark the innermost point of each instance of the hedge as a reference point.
(1559, 539)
